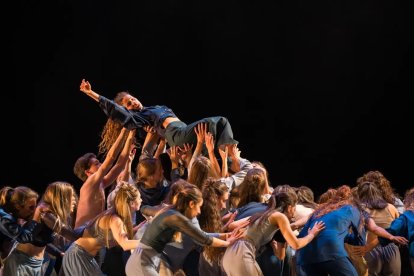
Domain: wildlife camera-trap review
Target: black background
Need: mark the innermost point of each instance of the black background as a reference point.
(319, 91)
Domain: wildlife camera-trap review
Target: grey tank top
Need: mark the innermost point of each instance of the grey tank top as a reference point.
(261, 233)
(104, 237)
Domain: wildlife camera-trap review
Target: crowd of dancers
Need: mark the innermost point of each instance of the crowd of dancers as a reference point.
(162, 197)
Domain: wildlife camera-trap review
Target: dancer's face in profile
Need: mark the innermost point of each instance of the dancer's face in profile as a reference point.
(194, 209)
(131, 102)
(221, 203)
(26, 210)
(290, 212)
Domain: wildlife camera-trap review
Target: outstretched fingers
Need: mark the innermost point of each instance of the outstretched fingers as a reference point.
(317, 227)
(400, 240)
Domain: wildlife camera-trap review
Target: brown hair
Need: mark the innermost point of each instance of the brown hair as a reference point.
(279, 201)
(210, 217)
(185, 196)
(146, 168)
(12, 197)
(409, 199)
(112, 128)
(326, 196)
(200, 171)
(381, 182)
(369, 194)
(253, 186)
(82, 164)
(343, 196)
(306, 197)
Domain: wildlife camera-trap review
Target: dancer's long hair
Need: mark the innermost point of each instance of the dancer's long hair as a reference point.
(111, 129)
(210, 217)
(58, 195)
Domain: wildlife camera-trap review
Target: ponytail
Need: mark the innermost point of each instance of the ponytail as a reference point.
(5, 195)
(12, 197)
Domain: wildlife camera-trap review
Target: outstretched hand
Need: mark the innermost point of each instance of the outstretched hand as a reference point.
(399, 240)
(236, 234)
(85, 86)
(317, 227)
(149, 129)
(200, 130)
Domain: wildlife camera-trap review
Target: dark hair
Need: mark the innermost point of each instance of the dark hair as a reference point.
(82, 164)
(279, 201)
(147, 168)
(253, 186)
(185, 196)
(175, 188)
(381, 182)
(370, 196)
(234, 196)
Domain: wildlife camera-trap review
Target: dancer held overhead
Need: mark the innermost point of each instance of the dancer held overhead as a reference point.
(126, 110)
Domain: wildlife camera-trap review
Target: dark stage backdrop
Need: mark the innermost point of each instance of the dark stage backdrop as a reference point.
(317, 91)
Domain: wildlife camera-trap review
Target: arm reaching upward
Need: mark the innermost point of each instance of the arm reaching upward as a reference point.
(86, 88)
(119, 166)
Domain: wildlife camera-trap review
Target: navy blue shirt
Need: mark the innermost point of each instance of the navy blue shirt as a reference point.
(402, 226)
(250, 209)
(11, 230)
(328, 245)
(136, 119)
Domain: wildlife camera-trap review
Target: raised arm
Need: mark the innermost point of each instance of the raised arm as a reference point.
(86, 88)
(150, 143)
(162, 146)
(239, 166)
(211, 154)
(234, 155)
(97, 177)
(119, 166)
(224, 167)
(200, 130)
(126, 174)
(116, 112)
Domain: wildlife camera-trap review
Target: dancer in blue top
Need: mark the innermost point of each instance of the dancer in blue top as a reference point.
(404, 225)
(340, 214)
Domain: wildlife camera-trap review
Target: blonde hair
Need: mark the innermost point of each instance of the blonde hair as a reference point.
(126, 193)
(58, 195)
